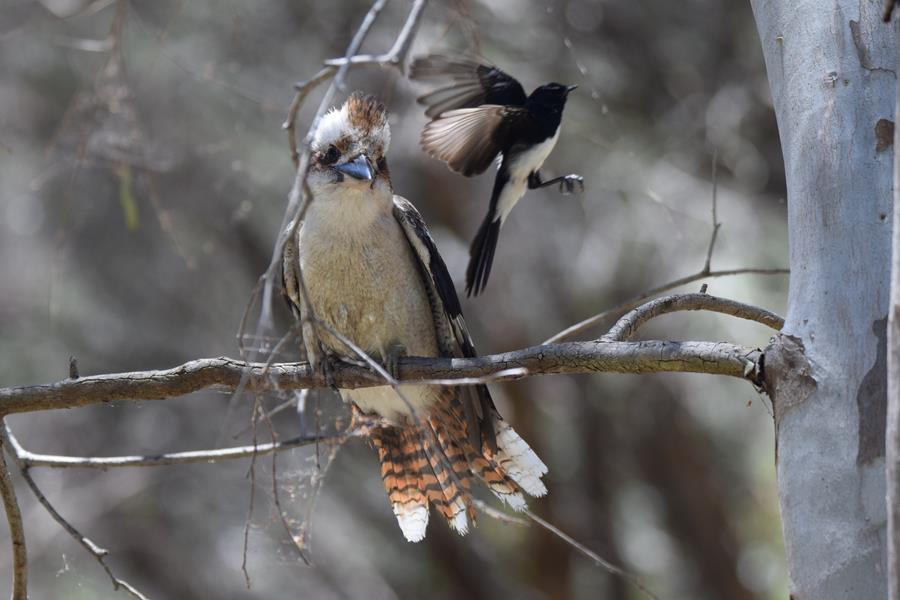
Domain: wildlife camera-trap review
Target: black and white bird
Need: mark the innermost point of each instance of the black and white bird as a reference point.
(373, 276)
(484, 113)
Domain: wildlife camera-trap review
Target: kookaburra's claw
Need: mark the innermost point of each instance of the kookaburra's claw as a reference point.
(327, 369)
(568, 183)
(392, 357)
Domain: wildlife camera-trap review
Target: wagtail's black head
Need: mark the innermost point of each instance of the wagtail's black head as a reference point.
(551, 95)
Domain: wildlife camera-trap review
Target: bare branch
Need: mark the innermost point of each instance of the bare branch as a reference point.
(226, 373)
(32, 459)
(92, 548)
(397, 54)
(628, 325)
(395, 57)
(704, 273)
(623, 307)
(303, 90)
(715, 221)
(16, 530)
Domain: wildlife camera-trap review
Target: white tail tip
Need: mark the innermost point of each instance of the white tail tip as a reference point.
(413, 521)
(519, 460)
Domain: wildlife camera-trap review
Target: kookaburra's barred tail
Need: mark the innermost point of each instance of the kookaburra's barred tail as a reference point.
(437, 466)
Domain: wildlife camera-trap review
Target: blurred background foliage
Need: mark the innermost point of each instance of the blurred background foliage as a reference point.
(140, 199)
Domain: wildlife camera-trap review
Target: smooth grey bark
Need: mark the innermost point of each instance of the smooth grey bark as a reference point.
(830, 65)
(893, 412)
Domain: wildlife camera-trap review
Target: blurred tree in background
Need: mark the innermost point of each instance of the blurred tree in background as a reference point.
(141, 196)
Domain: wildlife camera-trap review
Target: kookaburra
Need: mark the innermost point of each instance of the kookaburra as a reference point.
(373, 274)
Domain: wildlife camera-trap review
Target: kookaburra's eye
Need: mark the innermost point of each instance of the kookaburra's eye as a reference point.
(331, 155)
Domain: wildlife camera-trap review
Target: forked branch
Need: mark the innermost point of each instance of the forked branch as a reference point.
(609, 354)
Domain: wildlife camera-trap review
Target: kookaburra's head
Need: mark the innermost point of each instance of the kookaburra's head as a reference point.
(349, 147)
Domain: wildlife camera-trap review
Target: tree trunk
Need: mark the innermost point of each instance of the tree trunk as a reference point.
(830, 65)
(893, 424)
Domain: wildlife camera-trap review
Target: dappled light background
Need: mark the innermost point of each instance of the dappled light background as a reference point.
(140, 200)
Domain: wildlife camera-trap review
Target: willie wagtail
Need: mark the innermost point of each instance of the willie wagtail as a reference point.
(484, 112)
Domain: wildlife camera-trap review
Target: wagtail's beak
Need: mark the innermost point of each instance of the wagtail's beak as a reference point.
(571, 89)
(358, 168)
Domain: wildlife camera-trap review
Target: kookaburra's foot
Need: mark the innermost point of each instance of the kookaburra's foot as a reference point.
(326, 363)
(391, 356)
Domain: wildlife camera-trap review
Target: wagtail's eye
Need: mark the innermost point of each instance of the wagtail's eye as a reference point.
(331, 155)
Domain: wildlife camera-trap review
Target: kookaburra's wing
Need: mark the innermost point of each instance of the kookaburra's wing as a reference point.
(450, 327)
(473, 82)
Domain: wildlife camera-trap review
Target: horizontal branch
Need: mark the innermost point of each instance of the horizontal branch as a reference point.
(227, 373)
(32, 459)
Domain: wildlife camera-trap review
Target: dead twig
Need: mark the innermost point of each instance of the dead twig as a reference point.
(32, 459)
(92, 548)
(395, 57)
(704, 273)
(596, 558)
(715, 221)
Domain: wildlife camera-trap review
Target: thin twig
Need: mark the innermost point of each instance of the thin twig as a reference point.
(618, 310)
(99, 553)
(397, 54)
(303, 90)
(315, 486)
(395, 57)
(254, 295)
(92, 548)
(504, 375)
(628, 325)
(715, 221)
(596, 558)
(704, 273)
(500, 515)
(245, 544)
(16, 528)
(31, 459)
(276, 497)
(251, 474)
(283, 406)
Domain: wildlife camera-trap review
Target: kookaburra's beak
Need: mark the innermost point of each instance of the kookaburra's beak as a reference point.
(358, 168)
